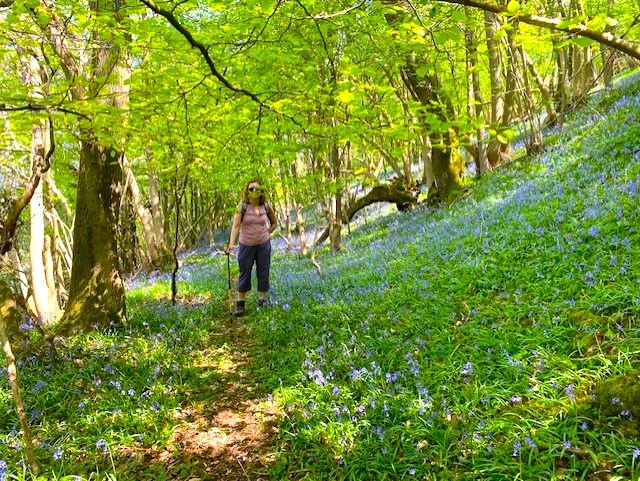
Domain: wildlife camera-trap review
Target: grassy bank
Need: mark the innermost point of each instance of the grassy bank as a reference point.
(472, 342)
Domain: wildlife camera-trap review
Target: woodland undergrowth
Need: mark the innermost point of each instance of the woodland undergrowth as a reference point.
(477, 341)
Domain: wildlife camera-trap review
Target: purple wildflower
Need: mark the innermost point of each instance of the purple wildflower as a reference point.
(467, 369)
(569, 391)
(517, 446)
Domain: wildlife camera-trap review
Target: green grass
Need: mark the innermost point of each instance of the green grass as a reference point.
(467, 343)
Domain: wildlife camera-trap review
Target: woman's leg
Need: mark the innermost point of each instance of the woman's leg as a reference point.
(246, 257)
(263, 266)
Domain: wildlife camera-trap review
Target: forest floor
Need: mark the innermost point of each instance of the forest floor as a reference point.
(232, 438)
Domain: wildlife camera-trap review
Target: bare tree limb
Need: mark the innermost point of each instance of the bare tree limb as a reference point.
(324, 40)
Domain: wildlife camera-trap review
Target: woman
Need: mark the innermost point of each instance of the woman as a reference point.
(254, 221)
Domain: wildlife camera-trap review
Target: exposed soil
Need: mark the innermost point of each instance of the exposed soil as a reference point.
(227, 432)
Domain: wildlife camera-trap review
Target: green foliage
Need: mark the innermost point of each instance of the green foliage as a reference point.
(461, 343)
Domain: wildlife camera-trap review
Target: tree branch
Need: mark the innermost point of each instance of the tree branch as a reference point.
(341, 13)
(41, 108)
(604, 38)
(174, 22)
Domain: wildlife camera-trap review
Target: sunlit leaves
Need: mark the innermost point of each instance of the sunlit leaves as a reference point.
(513, 6)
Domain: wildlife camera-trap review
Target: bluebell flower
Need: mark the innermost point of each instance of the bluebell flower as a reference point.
(102, 444)
(57, 454)
(39, 386)
(517, 446)
(636, 453)
(569, 391)
(467, 369)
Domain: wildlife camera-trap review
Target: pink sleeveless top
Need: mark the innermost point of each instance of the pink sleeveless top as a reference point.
(254, 229)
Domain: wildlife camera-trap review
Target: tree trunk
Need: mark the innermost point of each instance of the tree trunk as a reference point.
(495, 63)
(475, 98)
(96, 292)
(157, 214)
(46, 314)
(158, 253)
(9, 319)
(395, 193)
(20, 274)
(335, 210)
(534, 144)
(426, 90)
(448, 166)
(428, 177)
(545, 91)
(49, 271)
(300, 228)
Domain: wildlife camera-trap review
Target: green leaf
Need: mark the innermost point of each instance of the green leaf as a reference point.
(267, 5)
(459, 16)
(513, 6)
(500, 34)
(345, 97)
(571, 22)
(43, 19)
(597, 23)
(612, 22)
(583, 42)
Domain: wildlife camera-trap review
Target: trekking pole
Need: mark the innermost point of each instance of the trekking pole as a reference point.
(229, 298)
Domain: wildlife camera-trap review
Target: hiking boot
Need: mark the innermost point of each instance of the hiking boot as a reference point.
(239, 309)
(262, 303)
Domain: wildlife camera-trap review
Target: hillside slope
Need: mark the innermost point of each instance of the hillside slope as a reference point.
(471, 343)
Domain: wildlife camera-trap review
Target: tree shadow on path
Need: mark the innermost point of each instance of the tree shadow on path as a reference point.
(226, 429)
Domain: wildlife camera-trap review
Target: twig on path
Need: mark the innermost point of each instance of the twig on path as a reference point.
(243, 470)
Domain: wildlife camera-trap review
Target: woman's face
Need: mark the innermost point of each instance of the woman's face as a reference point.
(254, 191)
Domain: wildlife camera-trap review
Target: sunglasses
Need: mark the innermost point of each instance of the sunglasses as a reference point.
(252, 189)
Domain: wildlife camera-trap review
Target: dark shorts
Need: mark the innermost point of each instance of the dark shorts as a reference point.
(247, 256)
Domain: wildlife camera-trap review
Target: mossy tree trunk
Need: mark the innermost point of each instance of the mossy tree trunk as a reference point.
(96, 291)
(9, 319)
(426, 89)
(448, 166)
